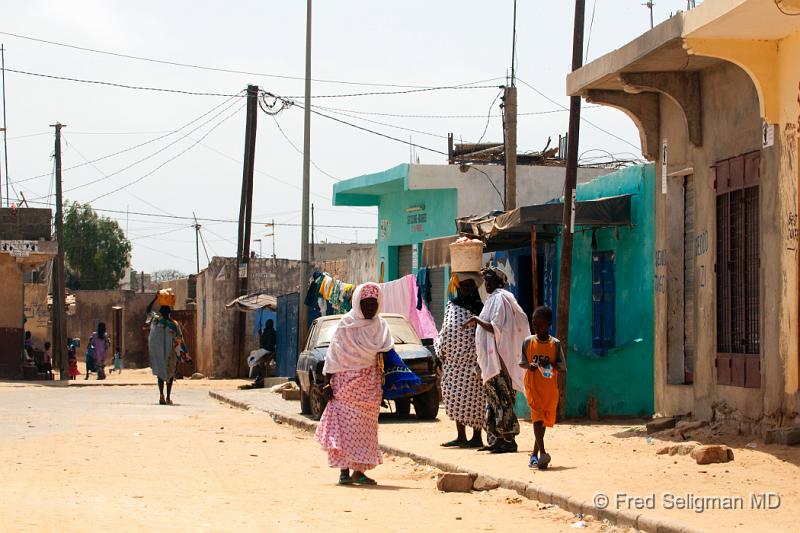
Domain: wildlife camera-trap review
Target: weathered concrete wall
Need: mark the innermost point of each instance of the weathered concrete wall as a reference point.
(37, 313)
(731, 127)
(476, 195)
(362, 264)
(25, 224)
(11, 301)
(93, 307)
(216, 324)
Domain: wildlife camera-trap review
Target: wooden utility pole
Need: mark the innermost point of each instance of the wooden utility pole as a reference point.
(312, 234)
(5, 133)
(510, 123)
(245, 216)
(304, 266)
(58, 312)
(568, 218)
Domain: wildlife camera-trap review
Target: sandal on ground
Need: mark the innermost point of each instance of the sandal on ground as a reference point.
(454, 444)
(363, 480)
(162, 401)
(169, 401)
(534, 462)
(473, 444)
(544, 461)
(345, 479)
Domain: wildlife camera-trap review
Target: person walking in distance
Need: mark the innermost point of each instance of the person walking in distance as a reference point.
(502, 326)
(99, 344)
(165, 343)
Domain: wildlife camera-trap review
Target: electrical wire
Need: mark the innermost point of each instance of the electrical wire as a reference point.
(421, 132)
(200, 219)
(299, 151)
(401, 115)
(356, 126)
(215, 69)
(134, 147)
(120, 85)
(489, 116)
(173, 158)
(591, 26)
(540, 93)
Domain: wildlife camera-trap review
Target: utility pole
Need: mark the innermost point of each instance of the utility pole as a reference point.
(649, 5)
(58, 314)
(510, 124)
(568, 218)
(197, 241)
(5, 138)
(271, 225)
(304, 270)
(245, 215)
(312, 233)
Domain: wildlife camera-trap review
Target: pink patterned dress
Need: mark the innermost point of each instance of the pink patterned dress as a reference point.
(348, 430)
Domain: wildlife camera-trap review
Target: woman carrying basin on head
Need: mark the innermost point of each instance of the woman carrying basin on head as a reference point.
(353, 370)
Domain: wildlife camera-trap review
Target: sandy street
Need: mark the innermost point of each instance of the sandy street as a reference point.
(109, 458)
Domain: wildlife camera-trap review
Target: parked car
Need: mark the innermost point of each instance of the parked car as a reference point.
(418, 358)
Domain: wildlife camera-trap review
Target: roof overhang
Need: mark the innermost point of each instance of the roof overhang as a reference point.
(367, 190)
(512, 229)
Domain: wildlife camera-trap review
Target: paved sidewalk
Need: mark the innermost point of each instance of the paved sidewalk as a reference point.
(611, 458)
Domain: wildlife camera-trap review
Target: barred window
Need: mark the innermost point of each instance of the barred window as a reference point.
(738, 263)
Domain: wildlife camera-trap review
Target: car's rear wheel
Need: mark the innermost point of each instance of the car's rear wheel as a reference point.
(318, 402)
(426, 405)
(305, 400)
(402, 407)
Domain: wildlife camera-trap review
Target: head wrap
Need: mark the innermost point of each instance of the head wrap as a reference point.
(497, 273)
(358, 340)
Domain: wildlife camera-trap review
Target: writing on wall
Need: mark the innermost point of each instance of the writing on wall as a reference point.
(661, 276)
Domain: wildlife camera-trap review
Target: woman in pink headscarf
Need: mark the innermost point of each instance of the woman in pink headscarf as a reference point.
(348, 430)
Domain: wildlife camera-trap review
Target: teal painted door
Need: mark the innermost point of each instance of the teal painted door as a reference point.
(603, 305)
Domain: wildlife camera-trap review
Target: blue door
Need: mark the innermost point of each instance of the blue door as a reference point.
(287, 316)
(603, 302)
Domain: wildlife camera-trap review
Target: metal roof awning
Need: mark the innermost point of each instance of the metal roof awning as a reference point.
(253, 302)
(512, 229)
(436, 252)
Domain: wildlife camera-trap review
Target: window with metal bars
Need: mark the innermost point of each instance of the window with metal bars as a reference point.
(738, 262)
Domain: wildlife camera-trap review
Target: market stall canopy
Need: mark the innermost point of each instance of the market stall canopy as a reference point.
(512, 229)
(253, 302)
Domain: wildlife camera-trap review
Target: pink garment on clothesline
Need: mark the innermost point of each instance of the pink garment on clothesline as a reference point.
(400, 296)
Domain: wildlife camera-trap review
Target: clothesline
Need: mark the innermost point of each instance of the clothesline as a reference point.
(332, 296)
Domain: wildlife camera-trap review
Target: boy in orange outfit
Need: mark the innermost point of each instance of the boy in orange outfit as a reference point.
(543, 358)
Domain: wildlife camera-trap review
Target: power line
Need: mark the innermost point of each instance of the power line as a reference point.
(201, 219)
(120, 85)
(299, 151)
(362, 128)
(407, 91)
(173, 158)
(134, 147)
(540, 93)
(489, 114)
(403, 115)
(421, 132)
(217, 69)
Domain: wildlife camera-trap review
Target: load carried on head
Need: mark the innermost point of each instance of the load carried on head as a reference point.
(466, 255)
(166, 297)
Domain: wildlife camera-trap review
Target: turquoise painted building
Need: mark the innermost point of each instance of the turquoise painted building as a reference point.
(611, 331)
(406, 217)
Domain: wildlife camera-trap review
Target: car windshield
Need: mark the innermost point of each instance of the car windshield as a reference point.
(399, 326)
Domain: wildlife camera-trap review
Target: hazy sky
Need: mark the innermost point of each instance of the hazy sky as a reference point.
(415, 42)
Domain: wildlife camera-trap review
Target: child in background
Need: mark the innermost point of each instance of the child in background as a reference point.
(72, 358)
(543, 359)
(47, 360)
(117, 362)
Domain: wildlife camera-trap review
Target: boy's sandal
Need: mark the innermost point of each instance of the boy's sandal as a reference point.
(544, 461)
(534, 462)
(345, 479)
(363, 480)
(453, 444)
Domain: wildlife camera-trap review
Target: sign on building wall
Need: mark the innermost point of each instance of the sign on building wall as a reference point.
(415, 257)
(767, 135)
(385, 226)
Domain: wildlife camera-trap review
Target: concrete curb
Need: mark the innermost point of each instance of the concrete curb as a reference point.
(526, 490)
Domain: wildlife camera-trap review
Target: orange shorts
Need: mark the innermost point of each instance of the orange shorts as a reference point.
(540, 415)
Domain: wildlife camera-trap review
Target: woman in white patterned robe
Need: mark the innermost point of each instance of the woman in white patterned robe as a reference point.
(464, 397)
